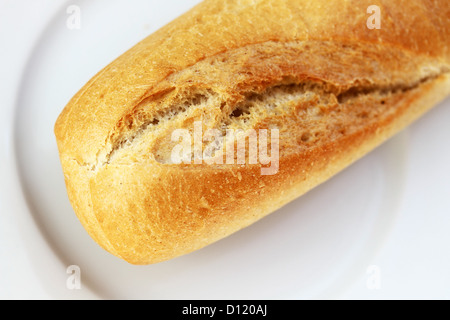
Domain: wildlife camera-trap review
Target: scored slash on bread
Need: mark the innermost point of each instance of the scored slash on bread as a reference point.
(311, 69)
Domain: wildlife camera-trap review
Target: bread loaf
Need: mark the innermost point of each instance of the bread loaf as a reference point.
(312, 74)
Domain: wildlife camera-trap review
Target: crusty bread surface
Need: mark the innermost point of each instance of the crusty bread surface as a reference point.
(313, 70)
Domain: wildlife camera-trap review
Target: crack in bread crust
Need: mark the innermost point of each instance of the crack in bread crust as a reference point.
(318, 101)
(220, 95)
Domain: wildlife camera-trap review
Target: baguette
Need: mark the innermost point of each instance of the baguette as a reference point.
(332, 89)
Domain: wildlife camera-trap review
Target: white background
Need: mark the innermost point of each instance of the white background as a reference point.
(390, 210)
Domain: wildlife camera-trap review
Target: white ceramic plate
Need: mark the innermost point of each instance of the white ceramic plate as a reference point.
(377, 230)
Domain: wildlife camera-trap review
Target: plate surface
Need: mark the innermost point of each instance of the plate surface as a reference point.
(341, 240)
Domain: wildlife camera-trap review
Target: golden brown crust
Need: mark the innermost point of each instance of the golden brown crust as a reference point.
(368, 84)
